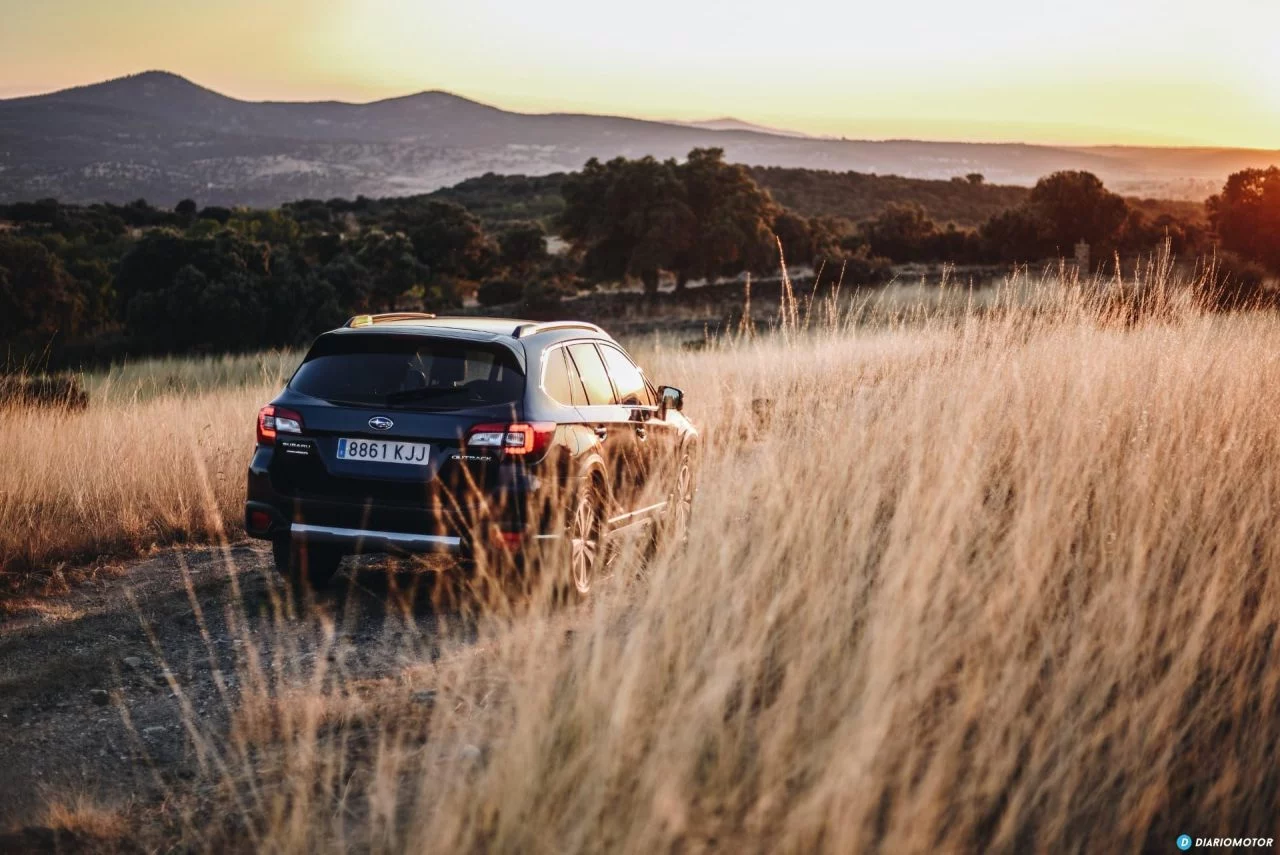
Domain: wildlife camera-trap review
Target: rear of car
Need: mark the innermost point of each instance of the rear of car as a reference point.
(409, 433)
(396, 439)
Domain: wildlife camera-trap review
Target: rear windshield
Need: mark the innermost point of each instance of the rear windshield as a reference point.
(408, 372)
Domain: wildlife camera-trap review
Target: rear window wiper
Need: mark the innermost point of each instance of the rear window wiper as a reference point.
(339, 402)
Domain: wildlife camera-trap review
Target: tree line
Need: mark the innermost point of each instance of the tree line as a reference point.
(87, 283)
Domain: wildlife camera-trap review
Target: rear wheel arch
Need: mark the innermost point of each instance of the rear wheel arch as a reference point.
(597, 479)
(592, 470)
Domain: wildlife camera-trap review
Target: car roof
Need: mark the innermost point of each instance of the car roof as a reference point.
(482, 327)
(497, 326)
(521, 337)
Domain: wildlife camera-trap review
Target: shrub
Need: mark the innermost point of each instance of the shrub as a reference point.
(499, 292)
(43, 391)
(547, 293)
(1234, 283)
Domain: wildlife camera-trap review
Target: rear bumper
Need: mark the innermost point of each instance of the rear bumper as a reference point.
(355, 528)
(365, 540)
(442, 524)
(266, 520)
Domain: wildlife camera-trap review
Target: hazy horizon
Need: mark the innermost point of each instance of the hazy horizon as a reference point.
(1150, 73)
(756, 126)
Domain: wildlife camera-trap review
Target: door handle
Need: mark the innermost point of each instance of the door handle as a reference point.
(602, 432)
(641, 431)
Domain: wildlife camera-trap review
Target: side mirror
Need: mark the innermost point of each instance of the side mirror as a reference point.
(672, 399)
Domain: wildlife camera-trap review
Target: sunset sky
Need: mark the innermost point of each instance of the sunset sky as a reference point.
(1097, 71)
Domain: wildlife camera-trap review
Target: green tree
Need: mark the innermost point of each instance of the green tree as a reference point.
(224, 292)
(523, 246)
(732, 219)
(499, 291)
(628, 218)
(215, 213)
(793, 231)
(1016, 235)
(351, 281)
(393, 266)
(698, 219)
(1075, 206)
(1062, 209)
(900, 232)
(298, 302)
(1246, 215)
(38, 299)
(154, 261)
(447, 238)
(812, 240)
(275, 227)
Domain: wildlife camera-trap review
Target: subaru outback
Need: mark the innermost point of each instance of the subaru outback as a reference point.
(410, 433)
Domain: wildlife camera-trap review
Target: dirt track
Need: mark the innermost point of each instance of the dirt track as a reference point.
(86, 708)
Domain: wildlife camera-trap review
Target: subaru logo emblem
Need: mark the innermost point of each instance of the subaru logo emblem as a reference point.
(381, 423)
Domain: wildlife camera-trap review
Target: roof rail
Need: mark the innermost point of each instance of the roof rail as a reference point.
(387, 317)
(529, 329)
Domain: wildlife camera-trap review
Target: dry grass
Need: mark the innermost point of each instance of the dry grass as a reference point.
(122, 476)
(994, 580)
(87, 821)
(158, 457)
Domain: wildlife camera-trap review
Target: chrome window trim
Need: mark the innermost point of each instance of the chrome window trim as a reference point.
(542, 373)
(644, 377)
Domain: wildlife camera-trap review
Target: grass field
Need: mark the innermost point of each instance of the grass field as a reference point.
(971, 580)
(159, 457)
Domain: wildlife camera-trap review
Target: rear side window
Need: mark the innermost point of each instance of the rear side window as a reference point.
(591, 370)
(627, 379)
(409, 372)
(560, 379)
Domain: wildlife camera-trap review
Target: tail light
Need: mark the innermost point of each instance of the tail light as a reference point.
(273, 420)
(507, 539)
(516, 440)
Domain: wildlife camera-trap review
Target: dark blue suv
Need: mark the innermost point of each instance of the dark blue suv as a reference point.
(408, 432)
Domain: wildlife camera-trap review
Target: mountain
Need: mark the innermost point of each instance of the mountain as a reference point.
(728, 123)
(161, 137)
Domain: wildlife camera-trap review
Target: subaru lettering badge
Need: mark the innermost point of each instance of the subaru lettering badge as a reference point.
(381, 423)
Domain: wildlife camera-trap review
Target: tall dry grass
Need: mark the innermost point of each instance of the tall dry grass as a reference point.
(987, 579)
(996, 581)
(158, 457)
(122, 476)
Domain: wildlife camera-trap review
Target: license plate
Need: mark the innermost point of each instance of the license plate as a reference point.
(384, 451)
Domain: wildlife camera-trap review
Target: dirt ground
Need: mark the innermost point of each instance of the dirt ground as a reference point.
(86, 708)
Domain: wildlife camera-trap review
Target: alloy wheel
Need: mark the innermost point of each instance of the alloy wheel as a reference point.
(584, 542)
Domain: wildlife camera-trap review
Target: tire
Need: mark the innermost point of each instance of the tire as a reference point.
(585, 536)
(305, 564)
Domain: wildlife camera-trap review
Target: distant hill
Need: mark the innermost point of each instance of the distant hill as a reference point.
(728, 123)
(161, 137)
